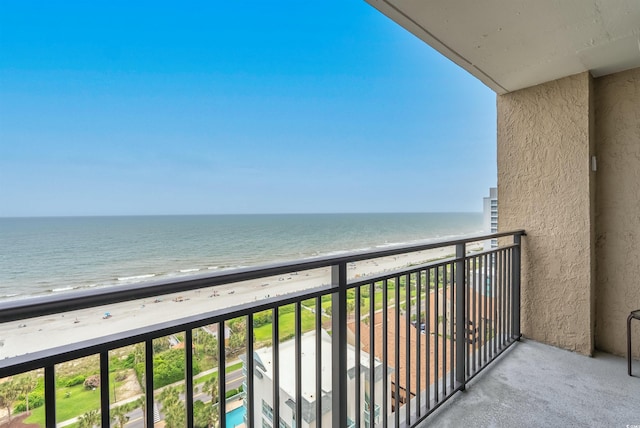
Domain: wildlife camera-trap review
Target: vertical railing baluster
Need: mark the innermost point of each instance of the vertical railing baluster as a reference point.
(499, 297)
(250, 365)
(222, 374)
(498, 300)
(468, 320)
(339, 345)
(372, 354)
(436, 343)
(481, 313)
(510, 307)
(148, 374)
(505, 296)
(427, 330)
(503, 320)
(105, 414)
(489, 315)
(318, 364)
(485, 299)
(479, 297)
(385, 351)
(396, 349)
(445, 278)
(461, 322)
(452, 317)
(188, 375)
(357, 368)
(418, 344)
(508, 301)
(275, 349)
(474, 315)
(494, 312)
(298, 357)
(50, 396)
(407, 346)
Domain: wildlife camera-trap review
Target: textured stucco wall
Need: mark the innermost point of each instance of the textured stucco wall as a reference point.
(617, 113)
(545, 187)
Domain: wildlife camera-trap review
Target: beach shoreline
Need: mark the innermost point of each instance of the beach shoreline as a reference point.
(43, 333)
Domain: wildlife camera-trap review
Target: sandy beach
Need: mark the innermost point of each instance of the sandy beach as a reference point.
(36, 334)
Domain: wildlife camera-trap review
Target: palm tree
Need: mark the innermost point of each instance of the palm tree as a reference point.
(239, 326)
(26, 385)
(138, 353)
(119, 415)
(172, 407)
(169, 396)
(237, 340)
(89, 419)
(210, 346)
(211, 388)
(175, 416)
(205, 415)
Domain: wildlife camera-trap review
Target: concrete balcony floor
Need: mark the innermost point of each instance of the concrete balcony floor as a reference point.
(534, 385)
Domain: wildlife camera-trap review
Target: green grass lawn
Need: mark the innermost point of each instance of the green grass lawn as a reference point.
(78, 402)
(287, 326)
(233, 367)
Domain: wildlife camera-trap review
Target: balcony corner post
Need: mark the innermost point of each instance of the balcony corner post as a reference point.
(461, 320)
(339, 345)
(515, 280)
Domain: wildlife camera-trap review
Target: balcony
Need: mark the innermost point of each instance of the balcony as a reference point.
(534, 385)
(436, 324)
(567, 75)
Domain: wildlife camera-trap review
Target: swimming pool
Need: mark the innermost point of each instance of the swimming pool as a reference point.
(235, 417)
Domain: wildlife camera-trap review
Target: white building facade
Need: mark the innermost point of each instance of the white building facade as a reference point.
(263, 385)
(490, 223)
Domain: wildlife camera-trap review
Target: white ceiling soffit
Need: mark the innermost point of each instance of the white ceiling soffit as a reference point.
(514, 44)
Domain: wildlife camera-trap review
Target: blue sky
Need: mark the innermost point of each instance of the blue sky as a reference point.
(112, 108)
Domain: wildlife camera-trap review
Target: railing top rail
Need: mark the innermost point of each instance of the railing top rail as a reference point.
(39, 306)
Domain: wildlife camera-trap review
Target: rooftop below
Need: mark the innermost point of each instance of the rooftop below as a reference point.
(534, 385)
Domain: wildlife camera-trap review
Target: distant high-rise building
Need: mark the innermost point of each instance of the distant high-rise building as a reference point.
(491, 217)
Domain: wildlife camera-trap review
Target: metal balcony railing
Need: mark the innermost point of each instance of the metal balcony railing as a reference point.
(404, 340)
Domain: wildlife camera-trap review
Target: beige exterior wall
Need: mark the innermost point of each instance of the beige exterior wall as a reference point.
(617, 113)
(545, 187)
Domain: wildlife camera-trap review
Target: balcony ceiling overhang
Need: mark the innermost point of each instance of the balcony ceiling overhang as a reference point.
(510, 45)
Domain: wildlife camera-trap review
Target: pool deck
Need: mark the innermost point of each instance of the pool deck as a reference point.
(231, 406)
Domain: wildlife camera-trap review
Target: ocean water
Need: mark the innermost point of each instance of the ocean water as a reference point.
(40, 256)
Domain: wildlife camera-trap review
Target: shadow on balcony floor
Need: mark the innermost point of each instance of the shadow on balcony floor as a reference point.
(536, 385)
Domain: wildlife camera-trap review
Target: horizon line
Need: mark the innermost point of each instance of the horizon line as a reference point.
(237, 214)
